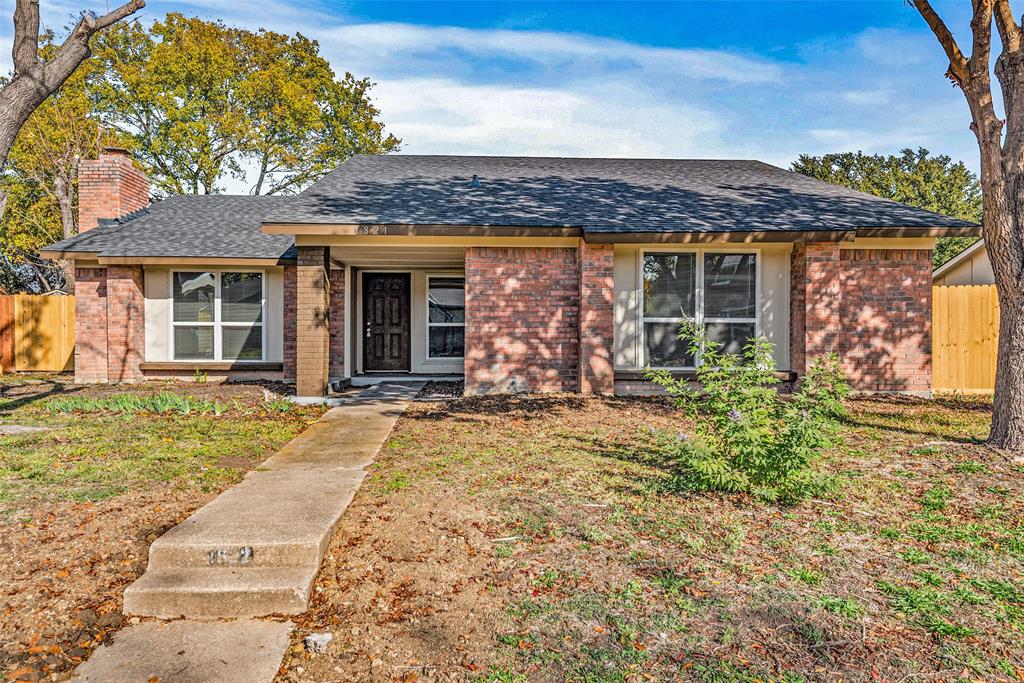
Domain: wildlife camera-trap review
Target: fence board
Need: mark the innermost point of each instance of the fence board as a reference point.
(44, 333)
(6, 333)
(965, 336)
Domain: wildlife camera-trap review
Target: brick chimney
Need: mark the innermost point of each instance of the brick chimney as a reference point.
(109, 187)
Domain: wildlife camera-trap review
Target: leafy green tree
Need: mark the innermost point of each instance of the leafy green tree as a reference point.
(204, 101)
(918, 179)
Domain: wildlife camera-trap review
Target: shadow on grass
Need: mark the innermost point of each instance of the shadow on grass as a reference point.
(17, 396)
(892, 414)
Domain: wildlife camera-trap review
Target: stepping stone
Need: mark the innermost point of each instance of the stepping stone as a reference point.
(11, 430)
(190, 652)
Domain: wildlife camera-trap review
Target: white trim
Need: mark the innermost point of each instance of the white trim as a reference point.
(217, 323)
(958, 259)
(426, 317)
(699, 318)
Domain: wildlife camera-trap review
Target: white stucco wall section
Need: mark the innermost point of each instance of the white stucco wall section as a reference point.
(774, 307)
(157, 285)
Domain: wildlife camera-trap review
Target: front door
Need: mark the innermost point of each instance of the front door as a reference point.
(386, 322)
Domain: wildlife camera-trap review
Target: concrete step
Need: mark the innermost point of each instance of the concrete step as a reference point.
(281, 518)
(220, 592)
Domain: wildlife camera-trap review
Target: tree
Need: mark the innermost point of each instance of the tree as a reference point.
(203, 101)
(1001, 147)
(34, 78)
(933, 183)
(42, 172)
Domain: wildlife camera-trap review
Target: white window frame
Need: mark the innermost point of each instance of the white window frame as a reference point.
(699, 318)
(442, 276)
(217, 324)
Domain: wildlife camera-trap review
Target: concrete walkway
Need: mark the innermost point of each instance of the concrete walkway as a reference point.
(253, 551)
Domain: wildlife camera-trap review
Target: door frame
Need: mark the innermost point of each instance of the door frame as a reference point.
(358, 319)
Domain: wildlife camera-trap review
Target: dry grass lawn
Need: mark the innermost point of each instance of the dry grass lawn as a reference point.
(542, 538)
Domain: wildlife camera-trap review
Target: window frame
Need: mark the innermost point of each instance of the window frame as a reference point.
(217, 323)
(699, 318)
(426, 315)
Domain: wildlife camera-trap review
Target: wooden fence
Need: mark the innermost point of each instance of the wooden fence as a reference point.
(37, 333)
(965, 336)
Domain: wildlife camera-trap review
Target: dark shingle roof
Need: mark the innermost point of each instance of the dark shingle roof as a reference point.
(225, 226)
(596, 195)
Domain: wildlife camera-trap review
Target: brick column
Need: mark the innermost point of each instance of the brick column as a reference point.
(126, 323)
(312, 303)
(816, 299)
(90, 325)
(288, 294)
(597, 318)
(336, 366)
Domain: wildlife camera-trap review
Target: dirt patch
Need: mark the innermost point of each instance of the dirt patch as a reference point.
(65, 569)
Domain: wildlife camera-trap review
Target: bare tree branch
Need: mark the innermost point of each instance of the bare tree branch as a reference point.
(957, 62)
(1009, 31)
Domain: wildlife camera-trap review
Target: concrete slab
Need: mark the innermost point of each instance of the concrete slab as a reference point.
(255, 549)
(190, 652)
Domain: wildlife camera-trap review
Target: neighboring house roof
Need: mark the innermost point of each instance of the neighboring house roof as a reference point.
(958, 259)
(191, 226)
(595, 195)
(610, 196)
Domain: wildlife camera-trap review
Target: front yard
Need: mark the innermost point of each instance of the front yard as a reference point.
(81, 500)
(541, 538)
(536, 538)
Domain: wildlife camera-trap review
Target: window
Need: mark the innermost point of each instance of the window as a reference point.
(217, 315)
(716, 290)
(446, 317)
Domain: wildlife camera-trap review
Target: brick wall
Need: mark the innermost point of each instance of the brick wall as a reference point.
(289, 323)
(109, 187)
(90, 325)
(597, 318)
(886, 316)
(126, 323)
(522, 319)
(312, 343)
(336, 368)
(871, 306)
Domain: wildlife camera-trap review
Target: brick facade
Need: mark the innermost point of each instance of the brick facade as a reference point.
(126, 323)
(597, 318)
(336, 365)
(312, 305)
(886, 315)
(522, 319)
(91, 325)
(109, 187)
(288, 334)
(871, 306)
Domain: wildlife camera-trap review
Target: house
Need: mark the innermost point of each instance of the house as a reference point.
(970, 267)
(517, 273)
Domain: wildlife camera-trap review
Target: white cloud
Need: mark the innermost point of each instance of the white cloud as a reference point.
(446, 116)
(369, 47)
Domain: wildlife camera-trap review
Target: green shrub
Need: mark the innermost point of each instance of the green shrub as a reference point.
(749, 438)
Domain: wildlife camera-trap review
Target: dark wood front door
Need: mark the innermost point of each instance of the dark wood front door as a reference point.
(385, 321)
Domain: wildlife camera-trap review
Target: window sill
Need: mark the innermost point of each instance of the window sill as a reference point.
(215, 366)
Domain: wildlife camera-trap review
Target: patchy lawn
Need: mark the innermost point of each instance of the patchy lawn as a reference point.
(541, 538)
(81, 501)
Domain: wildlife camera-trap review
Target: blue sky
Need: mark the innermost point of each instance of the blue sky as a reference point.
(765, 80)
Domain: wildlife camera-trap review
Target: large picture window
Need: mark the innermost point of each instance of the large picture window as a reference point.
(716, 290)
(446, 317)
(217, 315)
